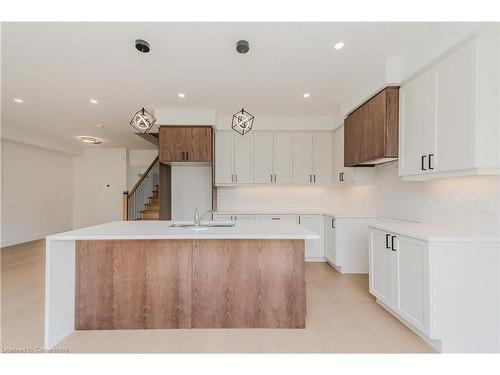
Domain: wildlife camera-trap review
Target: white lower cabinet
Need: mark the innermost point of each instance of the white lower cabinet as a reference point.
(411, 279)
(314, 249)
(445, 290)
(399, 276)
(346, 243)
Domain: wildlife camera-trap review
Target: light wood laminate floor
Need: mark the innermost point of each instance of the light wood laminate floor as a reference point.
(342, 317)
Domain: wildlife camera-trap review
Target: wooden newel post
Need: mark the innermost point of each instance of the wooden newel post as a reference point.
(125, 206)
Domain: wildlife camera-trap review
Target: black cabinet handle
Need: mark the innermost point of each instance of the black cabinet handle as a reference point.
(182, 155)
(392, 243)
(299, 219)
(387, 241)
(430, 161)
(271, 178)
(333, 223)
(187, 155)
(274, 178)
(342, 174)
(314, 178)
(275, 218)
(423, 163)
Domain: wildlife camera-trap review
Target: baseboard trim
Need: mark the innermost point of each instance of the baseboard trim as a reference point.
(33, 237)
(436, 344)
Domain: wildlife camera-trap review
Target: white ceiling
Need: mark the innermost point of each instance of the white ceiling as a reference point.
(57, 67)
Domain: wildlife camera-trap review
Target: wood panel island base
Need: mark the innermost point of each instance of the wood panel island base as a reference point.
(149, 275)
(144, 284)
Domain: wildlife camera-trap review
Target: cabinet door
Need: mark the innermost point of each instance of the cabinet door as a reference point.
(302, 158)
(263, 158)
(417, 124)
(171, 144)
(380, 267)
(314, 249)
(322, 158)
(455, 98)
(198, 143)
(339, 154)
(411, 282)
(283, 158)
(342, 174)
(243, 158)
(330, 240)
(224, 156)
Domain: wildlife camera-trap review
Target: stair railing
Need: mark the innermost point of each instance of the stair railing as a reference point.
(134, 201)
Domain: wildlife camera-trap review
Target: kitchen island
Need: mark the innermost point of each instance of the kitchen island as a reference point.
(152, 275)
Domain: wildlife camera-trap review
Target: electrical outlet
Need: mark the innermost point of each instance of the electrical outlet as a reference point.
(482, 207)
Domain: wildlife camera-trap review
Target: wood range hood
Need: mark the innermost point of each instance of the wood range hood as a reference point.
(371, 131)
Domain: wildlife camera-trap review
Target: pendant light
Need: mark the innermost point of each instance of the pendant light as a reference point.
(242, 120)
(142, 121)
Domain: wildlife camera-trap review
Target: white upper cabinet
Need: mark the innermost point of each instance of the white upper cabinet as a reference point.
(283, 158)
(322, 158)
(267, 157)
(312, 157)
(273, 157)
(243, 158)
(449, 118)
(417, 112)
(343, 175)
(264, 155)
(233, 158)
(302, 158)
(224, 157)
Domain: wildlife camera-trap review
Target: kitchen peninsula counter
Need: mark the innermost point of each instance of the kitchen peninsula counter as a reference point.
(149, 275)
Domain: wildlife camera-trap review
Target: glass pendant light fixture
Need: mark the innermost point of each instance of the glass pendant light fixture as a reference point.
(242, 120)
(142, 121)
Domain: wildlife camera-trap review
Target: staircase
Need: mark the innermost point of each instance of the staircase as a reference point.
(152, 208)
(143, 201)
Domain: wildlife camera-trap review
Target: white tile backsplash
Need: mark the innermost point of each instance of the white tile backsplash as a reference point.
(471, 202)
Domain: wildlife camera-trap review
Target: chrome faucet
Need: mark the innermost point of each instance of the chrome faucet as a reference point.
(198, 219)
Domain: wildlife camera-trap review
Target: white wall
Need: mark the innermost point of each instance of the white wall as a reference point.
(284, 123)
(37, 192)
(100, 177)
(191, 188)
(137, 163)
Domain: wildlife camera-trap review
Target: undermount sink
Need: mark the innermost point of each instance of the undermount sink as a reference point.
(204, 226)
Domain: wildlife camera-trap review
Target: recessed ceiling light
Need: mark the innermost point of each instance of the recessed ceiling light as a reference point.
(99, 126)
(17, 100)
(94, 101)
(181, 95)
(92, 140)
(338, 45)
(307, 95)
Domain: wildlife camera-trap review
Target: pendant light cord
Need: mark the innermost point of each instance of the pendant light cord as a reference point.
(142, 78)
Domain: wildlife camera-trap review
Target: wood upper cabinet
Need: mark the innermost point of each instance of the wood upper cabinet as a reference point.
(371, 131)
(185, 144)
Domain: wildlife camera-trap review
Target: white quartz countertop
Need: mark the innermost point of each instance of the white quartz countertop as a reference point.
(161, 230)
(430, 232)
